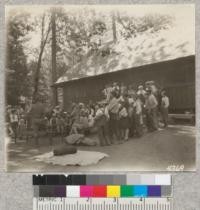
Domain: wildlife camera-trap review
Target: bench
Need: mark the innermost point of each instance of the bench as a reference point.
(186, 117)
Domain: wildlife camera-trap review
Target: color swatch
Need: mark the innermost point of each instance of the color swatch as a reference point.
(140, 191)
(113, 191)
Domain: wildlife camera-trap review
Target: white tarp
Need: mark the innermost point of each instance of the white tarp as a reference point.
(81, 158)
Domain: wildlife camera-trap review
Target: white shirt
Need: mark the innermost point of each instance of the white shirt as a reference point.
(106, 112)
(123, 112)
(138, 107)
(151, 102)
(165, 102)
(13, 118)
(99, 112)
(141, 92)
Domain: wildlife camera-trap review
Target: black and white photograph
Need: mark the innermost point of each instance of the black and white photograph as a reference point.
(100, 88)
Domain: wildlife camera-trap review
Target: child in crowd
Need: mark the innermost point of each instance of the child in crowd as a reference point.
(107, 91)
(84, 122)
(53, 123)
(131, 90)
(67, 123)
(164, 107)
(123, 121)
(90, 120)
(131, 115)
(91, 108)
(14, 123)
(21, 126)
(60, 125)
(138, 117)
(8, 124)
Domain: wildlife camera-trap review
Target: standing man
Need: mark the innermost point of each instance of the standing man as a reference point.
(113, 109)
(101, 123)
(151, 109)
(141, 93)
(164, 108)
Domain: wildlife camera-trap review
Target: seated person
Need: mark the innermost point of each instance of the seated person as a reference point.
(81, 124)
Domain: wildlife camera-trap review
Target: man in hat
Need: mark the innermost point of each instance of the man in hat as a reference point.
(141, 90)
(141, 93)
(113, 109)
(151, 111)
(116, 89)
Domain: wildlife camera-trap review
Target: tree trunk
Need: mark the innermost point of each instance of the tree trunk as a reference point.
(37, 75)
(42, 46)
(53, 54)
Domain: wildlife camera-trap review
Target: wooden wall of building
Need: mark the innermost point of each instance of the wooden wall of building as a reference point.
(177, 76)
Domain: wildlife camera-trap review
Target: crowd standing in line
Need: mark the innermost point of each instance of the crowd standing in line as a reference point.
(122, 114)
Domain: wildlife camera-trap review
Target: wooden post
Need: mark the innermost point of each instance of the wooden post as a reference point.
(53, 58)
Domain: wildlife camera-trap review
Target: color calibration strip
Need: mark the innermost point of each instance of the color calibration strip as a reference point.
(102, 186)
(120, 179)
(109, 191)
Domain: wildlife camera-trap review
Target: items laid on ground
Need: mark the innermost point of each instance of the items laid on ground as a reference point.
(80, 139)
(80, 158)
(64, 149)
(67, 154)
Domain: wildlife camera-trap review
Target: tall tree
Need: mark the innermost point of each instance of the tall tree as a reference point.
(44, 38)
(53, 56)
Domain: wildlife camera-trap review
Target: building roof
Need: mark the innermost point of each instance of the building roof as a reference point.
(146, 48)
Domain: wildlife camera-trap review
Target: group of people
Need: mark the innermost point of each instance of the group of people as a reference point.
(122, 113)
(15, 121)
(126, 112)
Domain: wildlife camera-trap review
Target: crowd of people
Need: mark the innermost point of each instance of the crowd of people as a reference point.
(124, 112)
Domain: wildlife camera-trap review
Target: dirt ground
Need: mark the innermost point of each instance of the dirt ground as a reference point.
(171, 147)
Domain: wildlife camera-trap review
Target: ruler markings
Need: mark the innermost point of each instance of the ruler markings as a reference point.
(102, 204)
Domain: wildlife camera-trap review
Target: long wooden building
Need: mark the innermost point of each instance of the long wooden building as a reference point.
(168, 62)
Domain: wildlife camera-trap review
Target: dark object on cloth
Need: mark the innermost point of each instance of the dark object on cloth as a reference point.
(64, 150)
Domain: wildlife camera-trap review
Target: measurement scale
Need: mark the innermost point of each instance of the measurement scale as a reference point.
(102, 192)
(102, 203)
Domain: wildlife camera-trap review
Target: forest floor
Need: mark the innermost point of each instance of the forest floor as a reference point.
(161, 150)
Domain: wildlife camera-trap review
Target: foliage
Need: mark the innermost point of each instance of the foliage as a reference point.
(77, 35)
(16, 63)
(136, 26)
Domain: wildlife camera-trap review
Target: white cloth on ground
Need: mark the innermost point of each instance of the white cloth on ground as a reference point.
(81, 158)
